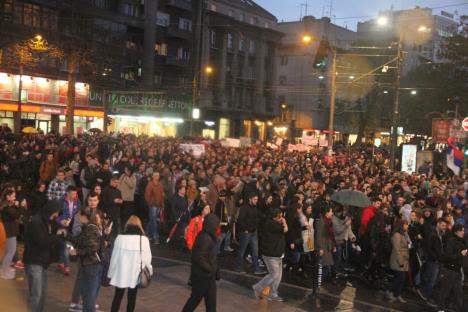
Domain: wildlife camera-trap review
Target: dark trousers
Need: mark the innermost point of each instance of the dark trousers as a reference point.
(131, 299)
(37, 284)
(450, 287)
(202, 289)
(398, 282)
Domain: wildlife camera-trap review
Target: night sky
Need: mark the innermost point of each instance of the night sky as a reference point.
(346, 11)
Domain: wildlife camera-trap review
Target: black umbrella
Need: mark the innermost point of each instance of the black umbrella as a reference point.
(351, 198)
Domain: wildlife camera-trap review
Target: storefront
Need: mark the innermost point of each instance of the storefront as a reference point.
(43, 104)
(151, 113)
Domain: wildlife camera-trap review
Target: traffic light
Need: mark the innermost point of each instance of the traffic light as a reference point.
(321, 58)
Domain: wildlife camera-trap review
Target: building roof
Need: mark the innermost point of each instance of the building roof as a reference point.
(249, 6)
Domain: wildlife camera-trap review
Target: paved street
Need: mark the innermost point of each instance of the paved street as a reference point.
(168, 292)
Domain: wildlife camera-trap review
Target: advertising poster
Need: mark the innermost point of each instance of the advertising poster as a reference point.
(408, 158)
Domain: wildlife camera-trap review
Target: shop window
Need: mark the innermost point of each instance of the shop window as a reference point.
(224, 128)
(208, 134)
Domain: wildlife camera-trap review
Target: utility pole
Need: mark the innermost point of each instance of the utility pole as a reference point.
(331, 117)
(396, 108)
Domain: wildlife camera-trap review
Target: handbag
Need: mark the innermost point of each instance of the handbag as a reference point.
(144, 279)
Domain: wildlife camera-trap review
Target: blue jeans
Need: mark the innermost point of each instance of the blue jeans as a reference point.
(430, 275)
(37, 284)
(245, 240)
(273, 278)
(152, 229)
(226, 238)
(90, 282)
(64, 255)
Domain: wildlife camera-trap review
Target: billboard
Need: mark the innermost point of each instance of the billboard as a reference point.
(440, 130)
(408, 158)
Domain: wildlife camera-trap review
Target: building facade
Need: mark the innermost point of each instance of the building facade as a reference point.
(304, 90)
(239, 44)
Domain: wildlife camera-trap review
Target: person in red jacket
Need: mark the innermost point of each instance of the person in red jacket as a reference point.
(195, 226)
(367, 214)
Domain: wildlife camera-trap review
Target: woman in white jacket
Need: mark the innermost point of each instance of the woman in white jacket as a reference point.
(130, 250)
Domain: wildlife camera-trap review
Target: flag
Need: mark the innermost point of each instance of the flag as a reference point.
(454, 157)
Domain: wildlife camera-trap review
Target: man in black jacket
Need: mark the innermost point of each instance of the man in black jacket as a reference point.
(247, 223)
(452, 261)
(273, 242)
(204, 270)
(112, 201)
(432, 246)
(38, 243)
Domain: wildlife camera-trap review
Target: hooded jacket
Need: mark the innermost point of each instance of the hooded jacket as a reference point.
(39, 240)
(204, 260)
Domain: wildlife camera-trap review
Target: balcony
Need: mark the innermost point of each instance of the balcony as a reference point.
(181, 4)
(172, 60)
(175, 32)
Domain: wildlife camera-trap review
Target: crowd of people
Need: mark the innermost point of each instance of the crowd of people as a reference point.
(107, 198)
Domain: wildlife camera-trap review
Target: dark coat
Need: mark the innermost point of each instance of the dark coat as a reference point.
(247, 221)
(109, 206)
(273, 239)
(39, 238)
(89, 244)
(10, 217)
(452, 258)
(179, 206)
(432, 246)
(36, 200)
(204, 259)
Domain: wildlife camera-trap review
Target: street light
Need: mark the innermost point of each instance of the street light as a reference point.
(382, 21)
(306, 39)
(208, 70)
(423, 28)
(351, 77)
(414, 92)
(321, 77)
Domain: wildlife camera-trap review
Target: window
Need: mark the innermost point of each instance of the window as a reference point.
(36, 16)
(212, 38)
(284, 60)
(130, 9)
(162, 19)
(250, 72)
(253, 20)
(183, 54)
(27, 18)
(241, 17)
(252, 47)
(282, 80)
(267, 25)
(241, 42)
(229, 41)
(231, 13)
(157, 79)
(100, 4)
(185, 24)
(160, 48)
(213, 7)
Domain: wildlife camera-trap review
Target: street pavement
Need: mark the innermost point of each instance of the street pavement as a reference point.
(169, 291)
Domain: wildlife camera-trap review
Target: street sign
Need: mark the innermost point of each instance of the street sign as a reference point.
(465, 124)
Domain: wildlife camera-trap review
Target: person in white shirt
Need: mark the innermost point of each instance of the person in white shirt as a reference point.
(131, 253)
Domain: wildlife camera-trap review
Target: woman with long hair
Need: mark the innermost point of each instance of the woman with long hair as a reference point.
(131, 253)
(399, 260)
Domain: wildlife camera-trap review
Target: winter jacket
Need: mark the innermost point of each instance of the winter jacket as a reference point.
(36, 200)
(109, 195)
(69, 210)
(343, 232)
(247, 220)
(294, 234)
(399, 259)
(127, 259)
(39, 239)
(89, 244)
(10, 219)
(367, 214)
(433, 246)
(194, 228)
(204, 259)
(324, 242)
(103, 177)
(452, 258)
(179, 206)
(127, 187)
(154, 195)
(273, 239)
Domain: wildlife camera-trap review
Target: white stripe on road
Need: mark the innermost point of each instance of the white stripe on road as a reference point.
(322, 291)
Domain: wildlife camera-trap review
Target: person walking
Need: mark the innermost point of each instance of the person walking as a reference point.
(89, 247)
(399, 260)
(274, 243)
(38, 243)
(455, 250)
(130, 254)
(204, 271)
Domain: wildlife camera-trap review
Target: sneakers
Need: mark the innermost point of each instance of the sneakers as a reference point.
(390, 296)
(228, 249)
(249, 259)
(257, 293)
(400, 299)
(259, 272)
(420, 294)
(276, 298)
(75, 307)
(261, 264)
(8, 275)
(19, 265)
